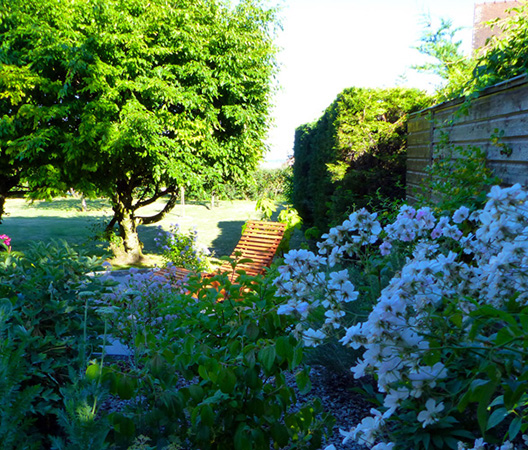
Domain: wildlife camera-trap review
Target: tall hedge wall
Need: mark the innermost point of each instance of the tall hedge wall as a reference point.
(357, 148)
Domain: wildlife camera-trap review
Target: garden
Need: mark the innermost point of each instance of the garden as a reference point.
(156, 115)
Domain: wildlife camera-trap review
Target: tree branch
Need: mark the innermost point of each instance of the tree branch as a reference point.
(156, 218)
(152, 199)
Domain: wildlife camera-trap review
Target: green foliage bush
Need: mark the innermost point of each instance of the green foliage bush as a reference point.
(354, 154)
(446, 59)
(208, 370)
(44, 341)
(506, 54)
(182, 248)
(270, 183)
(458, 176)
(211, 373)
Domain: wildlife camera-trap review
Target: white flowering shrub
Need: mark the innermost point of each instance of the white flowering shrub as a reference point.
(182, 248)
(447, 338)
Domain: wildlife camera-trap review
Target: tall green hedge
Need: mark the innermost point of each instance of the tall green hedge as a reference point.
(354, 155)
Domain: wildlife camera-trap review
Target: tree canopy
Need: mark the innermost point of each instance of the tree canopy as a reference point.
(132, 99)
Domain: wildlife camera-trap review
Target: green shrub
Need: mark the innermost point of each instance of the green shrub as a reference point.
(353, 155)
(44, 338)
(182, 249)
(212, 375)
(457, 176)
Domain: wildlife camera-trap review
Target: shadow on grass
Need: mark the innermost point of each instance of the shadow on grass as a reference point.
(71, 204)
(230, 232)
(76, 231)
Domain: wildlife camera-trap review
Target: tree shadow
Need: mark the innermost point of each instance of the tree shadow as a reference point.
(78, 232)
(226, 241)
(147, 235)
(71, 204)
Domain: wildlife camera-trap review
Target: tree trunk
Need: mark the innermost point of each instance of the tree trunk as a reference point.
(124, 215)
(182, 200)
(2, 205)
(7, 184)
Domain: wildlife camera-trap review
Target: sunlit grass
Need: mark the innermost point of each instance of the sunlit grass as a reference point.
(219, 228)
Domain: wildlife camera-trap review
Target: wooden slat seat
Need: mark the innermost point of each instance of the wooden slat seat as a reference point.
(259, 243)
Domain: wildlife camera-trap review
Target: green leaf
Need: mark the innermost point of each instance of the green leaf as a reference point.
(524, 323)
(284, 348)
(157, 365)
(123, 425)
(259, 440)
(196, 392)
(252, 378)
(438, 440)
(202, 371)
(5, 309)
(496, 417)
(499, 400)
(297, 357)
(93, 372)
(227, 381)
(515, 428)
(252, 331)
(188, 344)
(125, 387)
(303, 382)
(504, 335)
(242, 440)
(267, 357)
(456, 319)
(279, 433)
(207, 415)
(249, 357)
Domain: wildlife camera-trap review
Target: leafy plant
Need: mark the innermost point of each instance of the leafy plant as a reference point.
(48, 329)
(266, 206)
(505, 55)
(213, 372)
(114, 119)
(17, 393)
(182, 249)
(446, 59)
(445, 338)
(458, 176)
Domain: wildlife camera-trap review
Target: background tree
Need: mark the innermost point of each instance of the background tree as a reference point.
(132, 99)
(445, 59)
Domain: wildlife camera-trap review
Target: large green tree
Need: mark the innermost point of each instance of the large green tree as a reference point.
(132, 99)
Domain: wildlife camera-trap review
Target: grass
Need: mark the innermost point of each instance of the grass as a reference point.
(219, 228)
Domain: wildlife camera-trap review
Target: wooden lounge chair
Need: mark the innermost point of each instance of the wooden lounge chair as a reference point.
(255, 249)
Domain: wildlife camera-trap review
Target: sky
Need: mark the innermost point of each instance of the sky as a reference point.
(329, 45)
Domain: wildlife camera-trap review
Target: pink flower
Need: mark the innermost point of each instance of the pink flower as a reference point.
(6, 240)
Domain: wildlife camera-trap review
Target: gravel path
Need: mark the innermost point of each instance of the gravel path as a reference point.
(347, 406)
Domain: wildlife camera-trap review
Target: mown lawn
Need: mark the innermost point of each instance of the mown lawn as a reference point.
(218, 228)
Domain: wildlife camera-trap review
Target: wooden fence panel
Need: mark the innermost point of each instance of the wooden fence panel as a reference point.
(502, 108)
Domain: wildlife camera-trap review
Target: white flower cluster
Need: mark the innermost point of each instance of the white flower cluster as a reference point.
(489, 266)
